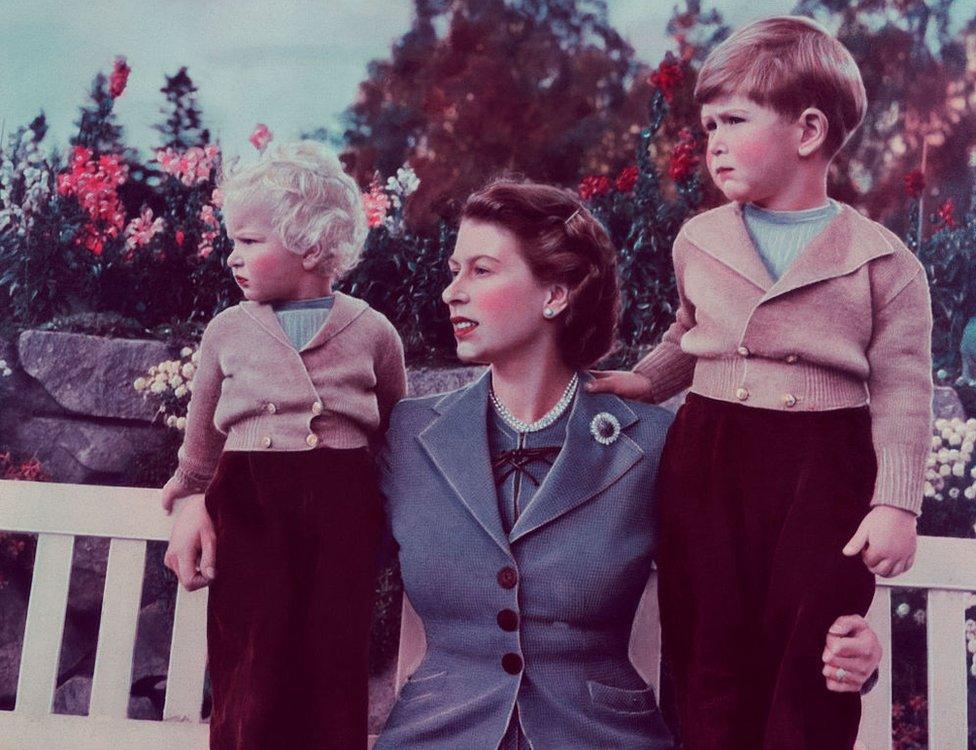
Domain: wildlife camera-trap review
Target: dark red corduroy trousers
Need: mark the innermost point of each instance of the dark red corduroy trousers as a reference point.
(755, 507)
(289, 611)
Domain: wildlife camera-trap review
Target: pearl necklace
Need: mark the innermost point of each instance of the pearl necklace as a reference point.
(544, 421)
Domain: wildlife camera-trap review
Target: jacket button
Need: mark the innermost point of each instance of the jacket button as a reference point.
(508, 620)
(312, 440)
(266, 441)
(507, 577)
(789, 400)
(317, 408)
(743, 351)
(271, 408)
(791, 359)
(512, 663)
(742, 394)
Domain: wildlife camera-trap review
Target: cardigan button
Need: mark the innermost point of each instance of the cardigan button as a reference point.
(743, 351)
(789, 400)
(507, 577)
(271, 408)
(791, 359)
(312, 440)
(512, 663)
(742, 394)
(507, 620)
(317, 408)
(266, 441)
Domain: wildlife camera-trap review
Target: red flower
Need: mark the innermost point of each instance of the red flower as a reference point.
(119, 77)
(376, 203)
(668, 76)
(94, 184)
(914, 183)
(593, 185)
(946, 213)
(684, 158)
(627, 179)
(261, 136)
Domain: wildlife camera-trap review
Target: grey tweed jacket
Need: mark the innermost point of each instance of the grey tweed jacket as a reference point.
(541, 616)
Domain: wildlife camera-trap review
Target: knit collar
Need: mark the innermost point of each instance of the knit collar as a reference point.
(849, 241)
(345, 310)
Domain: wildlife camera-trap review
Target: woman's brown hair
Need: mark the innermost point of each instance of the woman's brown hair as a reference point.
(562, 242)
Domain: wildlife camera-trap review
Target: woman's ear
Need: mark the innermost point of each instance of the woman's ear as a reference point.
(813, 131)
(557, 300)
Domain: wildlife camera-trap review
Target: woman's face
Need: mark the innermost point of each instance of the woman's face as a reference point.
(495, 301)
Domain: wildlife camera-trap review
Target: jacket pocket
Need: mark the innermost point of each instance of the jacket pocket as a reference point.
(622, 700)
(420, 687)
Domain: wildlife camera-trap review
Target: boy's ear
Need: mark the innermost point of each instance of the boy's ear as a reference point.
(312, 258)
(814, 126)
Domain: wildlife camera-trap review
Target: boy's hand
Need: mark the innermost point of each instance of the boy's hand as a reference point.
(620, 382)
(192, 545)
(171, 492)
(887, 538)
(852, 647)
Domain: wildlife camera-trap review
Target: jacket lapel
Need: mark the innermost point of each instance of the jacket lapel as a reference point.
(722, 234)
(845, 244)
(457, 443)
(584, 467)
(345, 310)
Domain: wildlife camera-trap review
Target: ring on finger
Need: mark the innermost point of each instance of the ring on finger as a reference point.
(840, 674)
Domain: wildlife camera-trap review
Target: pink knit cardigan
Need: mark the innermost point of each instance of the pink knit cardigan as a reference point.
(849, 323)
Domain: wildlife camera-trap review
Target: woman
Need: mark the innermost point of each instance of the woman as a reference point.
(522, 506)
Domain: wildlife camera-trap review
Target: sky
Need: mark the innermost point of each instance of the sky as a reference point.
(292, 64)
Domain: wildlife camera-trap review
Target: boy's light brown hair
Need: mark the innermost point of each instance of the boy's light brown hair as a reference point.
(788, 63)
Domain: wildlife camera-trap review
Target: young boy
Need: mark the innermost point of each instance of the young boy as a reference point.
(804, 334)
(293, 385)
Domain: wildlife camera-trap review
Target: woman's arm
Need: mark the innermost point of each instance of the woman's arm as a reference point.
(851, 655)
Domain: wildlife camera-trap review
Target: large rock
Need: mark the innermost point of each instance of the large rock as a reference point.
(13, 616)
(423, 381)
(77, 451)
(74, 696)
(91, 375)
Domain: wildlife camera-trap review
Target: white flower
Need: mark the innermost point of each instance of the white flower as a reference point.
(936, 441)
(181, 423)
(954, 492)
(171, 421)
(970, 492)
(919, 616)
(187, 370)
(945, 470)
(186, 351)
(958, 469)
(941, 423)
(180, 391)
(139, 384)
(189, 386)
(158, 386)
(195, 356)
(903, 609)
(928, 490)
(956, 439)
(176, 380)
(605, 428)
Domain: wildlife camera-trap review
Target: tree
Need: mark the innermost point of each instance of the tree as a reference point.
(182, 127)
(547, 89)
(98, 127)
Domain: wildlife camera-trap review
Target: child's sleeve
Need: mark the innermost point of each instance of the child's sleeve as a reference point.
(670, 369)
(900, 388)
(391, 374)
(202, 442)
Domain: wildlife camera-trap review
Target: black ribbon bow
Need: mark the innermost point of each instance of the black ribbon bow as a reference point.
(519, 459)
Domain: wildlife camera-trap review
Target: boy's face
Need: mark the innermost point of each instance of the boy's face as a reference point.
(752, 150)
(264, 269)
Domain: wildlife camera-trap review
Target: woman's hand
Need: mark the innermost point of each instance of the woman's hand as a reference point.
(192, 545)
(620, 382)
(851, 655)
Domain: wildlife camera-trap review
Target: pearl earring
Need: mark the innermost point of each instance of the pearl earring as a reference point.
(548, 313)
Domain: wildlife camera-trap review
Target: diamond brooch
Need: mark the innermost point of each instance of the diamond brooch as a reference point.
(605, 428)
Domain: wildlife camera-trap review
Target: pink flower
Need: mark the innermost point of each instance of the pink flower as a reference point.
(191, 167)
(208, 217)
(947, 214)
(179, 237)
(261, 136)
(118, 78)
(377, 203)
(141, 230)
(217, 197)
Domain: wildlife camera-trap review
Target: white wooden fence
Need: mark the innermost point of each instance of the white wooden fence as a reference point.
(130, 517)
